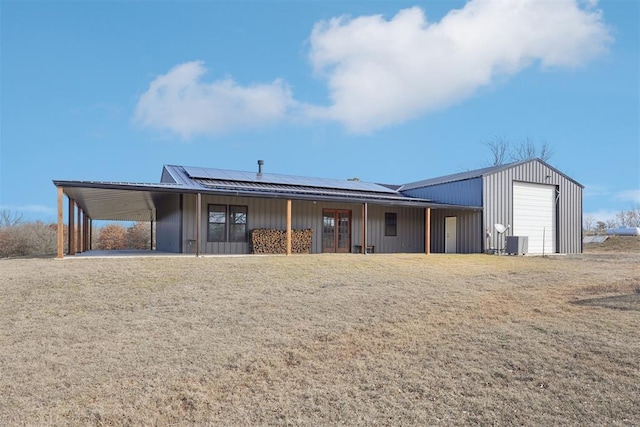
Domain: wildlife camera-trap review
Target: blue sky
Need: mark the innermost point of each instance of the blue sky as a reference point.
(386, 91)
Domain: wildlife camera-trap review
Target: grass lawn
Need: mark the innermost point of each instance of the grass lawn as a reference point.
(321, 339)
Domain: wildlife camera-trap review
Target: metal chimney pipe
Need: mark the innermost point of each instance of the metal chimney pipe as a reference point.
(260, 164)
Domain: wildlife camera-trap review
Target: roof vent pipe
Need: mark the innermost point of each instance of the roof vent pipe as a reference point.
(260, 164)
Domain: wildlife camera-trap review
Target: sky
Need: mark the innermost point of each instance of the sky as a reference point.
(385, 91)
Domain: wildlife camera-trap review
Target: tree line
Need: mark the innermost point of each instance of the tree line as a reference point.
(630, 218)
(19, 237)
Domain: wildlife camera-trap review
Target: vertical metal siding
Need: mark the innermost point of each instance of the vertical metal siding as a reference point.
(168, 224)
(271, 213)
(410, 229)
(498, 200)
(469, 236)
(467, 192)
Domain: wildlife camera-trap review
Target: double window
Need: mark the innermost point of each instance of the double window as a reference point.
(227, 223)
(390, 224)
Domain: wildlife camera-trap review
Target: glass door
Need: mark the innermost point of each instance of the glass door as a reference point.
(336, 230)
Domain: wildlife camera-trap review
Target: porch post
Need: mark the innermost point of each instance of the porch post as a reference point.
(198, 217)
(288, 226)
(151, 241)
(79, 231)
(60, 230)
(72, 227)
(365, 214)
(427, 231)
(85, 233)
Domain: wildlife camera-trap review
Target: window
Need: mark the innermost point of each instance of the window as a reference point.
(227, 223)
(217, 231)
(237, 223)
(390, 224)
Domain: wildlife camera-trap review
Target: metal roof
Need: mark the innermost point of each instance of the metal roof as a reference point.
(303, 189)
(108, 200)
(477, 173)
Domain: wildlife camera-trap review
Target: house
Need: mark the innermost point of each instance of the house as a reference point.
(214, 211)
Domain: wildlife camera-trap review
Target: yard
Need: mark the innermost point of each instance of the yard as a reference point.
(321, 339)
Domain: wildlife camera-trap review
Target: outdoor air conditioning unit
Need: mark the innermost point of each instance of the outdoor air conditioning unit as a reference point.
(517, 245)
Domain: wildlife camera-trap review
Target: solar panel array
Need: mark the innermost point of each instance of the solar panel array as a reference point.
(270, 178)
(595, 239)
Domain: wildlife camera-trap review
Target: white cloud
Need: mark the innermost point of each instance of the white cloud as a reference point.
(632, 196)
(596, 191)
(181, 102)
(603, 215)
(381, 72)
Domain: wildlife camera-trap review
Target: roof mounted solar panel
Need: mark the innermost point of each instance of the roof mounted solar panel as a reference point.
(270, 178)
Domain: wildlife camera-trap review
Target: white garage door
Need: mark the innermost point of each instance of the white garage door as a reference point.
(534, 215)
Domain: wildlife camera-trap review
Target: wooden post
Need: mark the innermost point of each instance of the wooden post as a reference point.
(79, 231)
(427, 231)
(60, 230)
(364, 228)
(72, 222)
(198, 218)
(85, 232)
(151, 241)
(288, 226)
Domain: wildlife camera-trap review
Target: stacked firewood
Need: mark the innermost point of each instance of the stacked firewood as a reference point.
(270, 241)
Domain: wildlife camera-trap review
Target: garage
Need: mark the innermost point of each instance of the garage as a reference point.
(534, 215)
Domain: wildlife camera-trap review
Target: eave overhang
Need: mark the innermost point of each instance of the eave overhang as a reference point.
(122, 201)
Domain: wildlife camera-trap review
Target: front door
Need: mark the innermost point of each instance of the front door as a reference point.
(450, 228)
(336, 230)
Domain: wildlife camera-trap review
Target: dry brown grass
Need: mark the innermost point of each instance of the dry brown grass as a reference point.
(322, 339)
(615, 244)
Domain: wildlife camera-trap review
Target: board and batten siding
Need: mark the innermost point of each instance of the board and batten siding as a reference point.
(169, 224)
(469, 236)
(410, 229)
(498, 203)
(271, 213)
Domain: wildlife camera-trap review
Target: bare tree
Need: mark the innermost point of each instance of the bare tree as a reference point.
(112, 236)
(9, 219)
(28, 239)
(139, 236)
(503, 150)
(630, 218)
(529, 150)
(612, 223)
(587, 223)
(499, 148)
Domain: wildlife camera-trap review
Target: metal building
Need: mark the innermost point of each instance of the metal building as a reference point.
(213, 211)
(528, 198)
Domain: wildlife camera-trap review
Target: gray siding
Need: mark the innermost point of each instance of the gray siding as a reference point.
(498, 202)
(469, 236)
(271, 213)
(168, 224)
(467, 192)
(410, 230)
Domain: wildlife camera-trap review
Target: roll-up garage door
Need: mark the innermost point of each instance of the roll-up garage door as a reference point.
(534, 215)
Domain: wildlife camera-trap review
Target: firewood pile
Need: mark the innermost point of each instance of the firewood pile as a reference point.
(270, 241)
